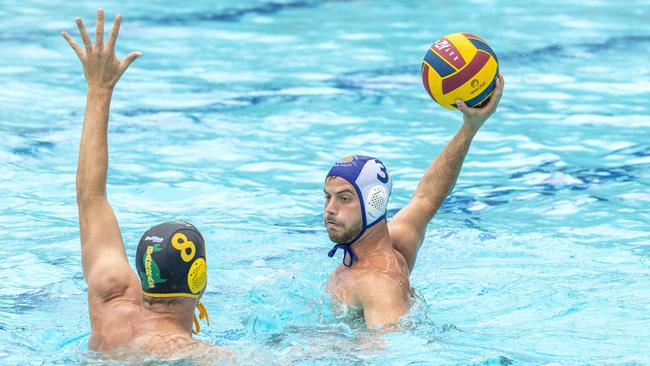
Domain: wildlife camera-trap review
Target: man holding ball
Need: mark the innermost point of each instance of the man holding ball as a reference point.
(379, 256)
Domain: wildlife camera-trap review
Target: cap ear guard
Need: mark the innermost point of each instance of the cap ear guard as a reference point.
(377, 199)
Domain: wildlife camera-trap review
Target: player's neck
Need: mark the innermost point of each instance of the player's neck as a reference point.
(374, 239)
(179, 314)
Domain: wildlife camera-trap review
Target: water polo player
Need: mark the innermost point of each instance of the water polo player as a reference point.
(378, 256)
(155, 313)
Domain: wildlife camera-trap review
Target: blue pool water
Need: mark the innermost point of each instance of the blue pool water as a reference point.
(231, 119)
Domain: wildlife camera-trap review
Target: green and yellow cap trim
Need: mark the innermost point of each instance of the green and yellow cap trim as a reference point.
(178, 294)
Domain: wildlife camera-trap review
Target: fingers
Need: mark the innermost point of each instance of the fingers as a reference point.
(130, 58)
(461, 105)
(73, 44)
(84, 35)
(496, 95)
(99, 30)
(114, 31)
(498, 87)
(467, 111)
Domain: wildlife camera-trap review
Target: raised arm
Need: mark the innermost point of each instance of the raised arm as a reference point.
(409, 225)
(104, 261)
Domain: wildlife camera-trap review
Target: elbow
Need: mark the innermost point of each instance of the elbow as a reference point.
(85, 199)
(82, 198)
(87, 195)
(428, 203)
(89, 189)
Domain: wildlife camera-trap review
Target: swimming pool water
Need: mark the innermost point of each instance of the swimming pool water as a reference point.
(235, 113)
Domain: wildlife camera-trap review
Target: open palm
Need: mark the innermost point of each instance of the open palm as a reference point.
(102, 68)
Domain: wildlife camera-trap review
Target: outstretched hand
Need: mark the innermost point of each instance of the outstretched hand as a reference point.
(476, 117)
(102, 68)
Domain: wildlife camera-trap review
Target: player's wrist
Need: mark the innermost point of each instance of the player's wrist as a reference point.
(99, 91)
(469, 130)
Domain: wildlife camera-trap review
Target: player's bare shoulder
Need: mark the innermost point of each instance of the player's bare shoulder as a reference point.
(343, 282)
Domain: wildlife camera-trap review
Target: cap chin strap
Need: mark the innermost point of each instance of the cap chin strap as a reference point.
(203, 314)
(347, 249)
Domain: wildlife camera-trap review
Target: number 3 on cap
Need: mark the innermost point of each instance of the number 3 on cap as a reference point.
(181, 243)
(383, 179)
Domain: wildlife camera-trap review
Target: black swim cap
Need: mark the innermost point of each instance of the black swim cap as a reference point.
(171, 261)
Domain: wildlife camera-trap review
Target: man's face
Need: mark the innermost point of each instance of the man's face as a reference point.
(342, 212)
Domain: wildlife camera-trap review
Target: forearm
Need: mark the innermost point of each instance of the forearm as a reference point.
(441, 176)
(93, 149)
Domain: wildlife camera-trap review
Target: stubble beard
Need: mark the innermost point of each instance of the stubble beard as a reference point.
(346, 236)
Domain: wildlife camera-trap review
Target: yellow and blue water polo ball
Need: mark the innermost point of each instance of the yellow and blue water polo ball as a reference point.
(460, 66)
